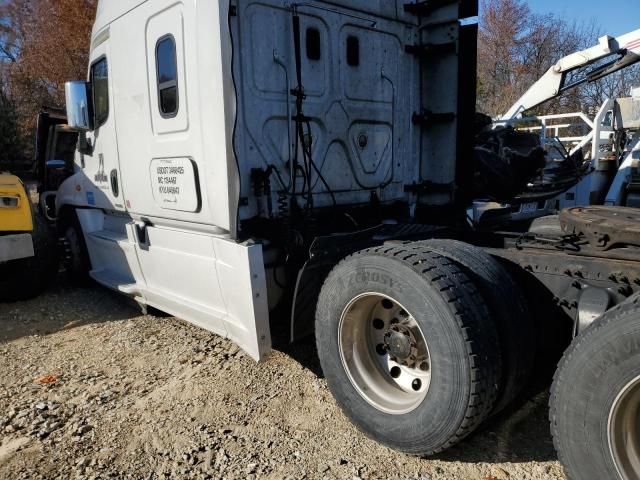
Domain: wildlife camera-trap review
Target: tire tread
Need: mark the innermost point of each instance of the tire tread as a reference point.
(560, 378)
(471, 313)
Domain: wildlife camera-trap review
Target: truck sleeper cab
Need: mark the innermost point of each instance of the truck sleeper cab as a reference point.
(219, 139)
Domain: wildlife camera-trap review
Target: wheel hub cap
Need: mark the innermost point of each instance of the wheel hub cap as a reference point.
(398, 344)
(384, 353)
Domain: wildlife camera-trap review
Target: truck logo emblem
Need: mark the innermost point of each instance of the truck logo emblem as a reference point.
(100, 177)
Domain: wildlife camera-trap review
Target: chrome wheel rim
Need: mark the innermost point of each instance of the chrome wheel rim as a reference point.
(624, 431)
(384, 353)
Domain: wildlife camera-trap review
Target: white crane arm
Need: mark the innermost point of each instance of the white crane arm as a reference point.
(553, 83)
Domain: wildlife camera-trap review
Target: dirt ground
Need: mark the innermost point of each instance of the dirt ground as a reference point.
(132, 396)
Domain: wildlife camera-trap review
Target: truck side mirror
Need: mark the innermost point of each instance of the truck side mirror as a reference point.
(79, 105)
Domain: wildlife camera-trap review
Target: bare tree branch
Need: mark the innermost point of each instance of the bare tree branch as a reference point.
(516, 47)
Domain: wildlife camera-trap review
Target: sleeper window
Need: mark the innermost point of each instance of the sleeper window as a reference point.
(100, 83)
(167, 73)
(313, 44)
(353, 51)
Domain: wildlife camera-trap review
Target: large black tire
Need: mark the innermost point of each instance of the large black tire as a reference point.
(26, 278)
(461, 338)
(593, 372)
(553, 328)
(509, 308)
(75, 254)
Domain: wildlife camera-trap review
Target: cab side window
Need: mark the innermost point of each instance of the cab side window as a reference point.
(100, 83)
(167, 76)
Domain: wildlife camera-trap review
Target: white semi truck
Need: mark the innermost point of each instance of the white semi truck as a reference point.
(269, 170)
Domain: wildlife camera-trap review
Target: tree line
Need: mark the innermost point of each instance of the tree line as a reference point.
(44, 43)
(517, 46)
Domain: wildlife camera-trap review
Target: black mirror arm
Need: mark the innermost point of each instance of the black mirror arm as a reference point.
(84, 144)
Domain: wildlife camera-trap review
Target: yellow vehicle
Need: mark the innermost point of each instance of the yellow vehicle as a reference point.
(28, 251)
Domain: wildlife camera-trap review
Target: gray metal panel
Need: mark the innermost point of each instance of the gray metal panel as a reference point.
(360, 116)
(630, 112)
(14, 247)
(440, 96)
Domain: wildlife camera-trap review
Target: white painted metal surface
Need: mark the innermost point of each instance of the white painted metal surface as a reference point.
(360, 115)
(560, 127)
(615, 196)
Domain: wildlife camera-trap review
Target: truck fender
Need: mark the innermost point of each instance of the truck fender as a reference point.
(325, 253)
(71, 192)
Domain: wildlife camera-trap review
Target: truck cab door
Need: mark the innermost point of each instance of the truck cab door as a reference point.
(173, 159)
(100, 162)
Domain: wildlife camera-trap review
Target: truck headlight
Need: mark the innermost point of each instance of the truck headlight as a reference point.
(9, 202)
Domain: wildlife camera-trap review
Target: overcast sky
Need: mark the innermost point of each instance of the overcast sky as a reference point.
(614, 17)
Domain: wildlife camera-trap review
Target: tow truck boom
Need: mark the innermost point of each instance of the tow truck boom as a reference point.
(622, 51)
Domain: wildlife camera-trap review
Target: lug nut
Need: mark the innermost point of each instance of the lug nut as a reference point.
(387, 304)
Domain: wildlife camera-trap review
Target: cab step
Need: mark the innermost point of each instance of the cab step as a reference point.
(111, 255)
(116, 281)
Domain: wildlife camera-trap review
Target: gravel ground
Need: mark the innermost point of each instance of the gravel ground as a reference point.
(89, 388)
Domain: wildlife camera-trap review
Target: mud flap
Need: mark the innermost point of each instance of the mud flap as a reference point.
(243, 287)
(222, 290)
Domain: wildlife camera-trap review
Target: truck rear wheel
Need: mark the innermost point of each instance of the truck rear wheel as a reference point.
(595, 399)
(408, 349)
(508, 307)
